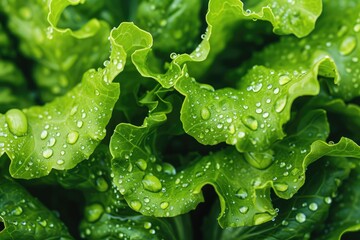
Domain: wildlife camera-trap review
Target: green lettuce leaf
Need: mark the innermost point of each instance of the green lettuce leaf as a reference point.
(299, 216)
(222, 17)
(25, 217)
(57, 70)
(57, 136)
(344, 213)
(242, 181)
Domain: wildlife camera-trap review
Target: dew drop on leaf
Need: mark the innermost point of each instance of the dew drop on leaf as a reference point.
(136, 205)
(72, 137)
(151, 183)
(47, 153)
(280, 104)
(142, 164)
(300, 217)
(43, 134)
(205, 113)
(313, 206)
(241, 193)
(284, 79)
(250, 122)
(281, 187)
(93, 212)
(244, 209)
(164, 205)
(17, 211)
(17, 122)
(261, 218)
(347, 45)
(101, 184)
(328, 200)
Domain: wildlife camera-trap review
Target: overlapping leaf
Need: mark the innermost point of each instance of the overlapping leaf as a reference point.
(221, 17)
(25, 217)
(149, 185)
(64, 132)
(299, 216)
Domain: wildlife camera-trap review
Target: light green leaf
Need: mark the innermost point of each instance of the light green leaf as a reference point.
(222, 17)
(149, 185)
(66, 131)
(336, 39)
(25, 217)
(299, 216)
(252, 116)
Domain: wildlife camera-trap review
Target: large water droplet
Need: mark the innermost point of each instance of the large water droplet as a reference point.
(151, 183)
(205, 113)
(47, 153)
(101, 184)
(164, 205)
(169, 169)
(93, 212)
(281, 187)
(17, 122)
(72, 137)
(241, 193)
(300, 217)
(262, 218)
(147, 225)
(43, 134)
(136, 205)
(280, 104)
(284, 79)
(347, 45)
(260, 160)
(250, 122)
(328, 200)
(244, 209)
(17, 211)
(142, 164)
(313, 206)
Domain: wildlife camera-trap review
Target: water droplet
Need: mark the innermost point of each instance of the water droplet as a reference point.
(147, 225)
(17, 211)
(101, 184)
(44, 134)
(284, 79)
(119, 66)
(313, 206)
(142, 164)
(284, 223)
(357, 27)
(93, 212)
(72, 137)
(244, 209)
(276, 90)
(173, 55)
(300, 217)
(257, 87)
(136, 205)
(262, 218)
(205, 113)
(17, 122)
(328, 200)
(347, 45)
(281, 187)
(250, 122)
(280, 104)
(43, 223)
(169, 169)
(47, 153)
(164, 205)
(260, 160)
(241, 193)
(151, 183)
(60, 162)
(79, 124)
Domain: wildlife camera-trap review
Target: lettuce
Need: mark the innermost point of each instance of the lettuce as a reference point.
(219, 119)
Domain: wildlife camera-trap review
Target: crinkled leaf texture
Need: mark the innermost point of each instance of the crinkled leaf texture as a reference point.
(221, 17)
(25, 217)
(61, 55)
(299, 216)
(66, 131)
(153, 187)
